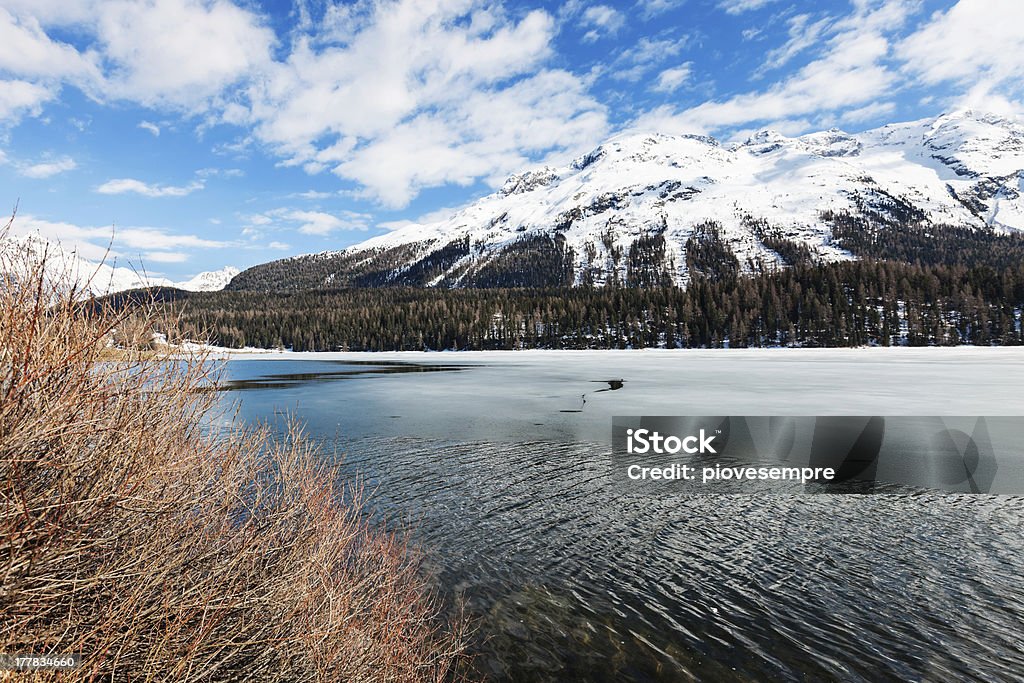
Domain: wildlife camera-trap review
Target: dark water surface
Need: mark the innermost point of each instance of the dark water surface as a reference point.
(501, 468)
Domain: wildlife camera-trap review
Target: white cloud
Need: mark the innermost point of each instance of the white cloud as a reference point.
(496, 132)
(602, 20)
(19, 97)
(126, 185)
(652, 8)
(260, 219)
(98, 242)
(803, 34)
(213, 44)
(740, 6)
(424, 94)
(69, 236)
(868, 112)
(849, 73)
(156, 238)
(151, 127)
(319, 223)
(670, 80)
(311, 194)
(322, 224)
(56, 12)
(430, 62)
(644, 55)
(279, 246)
(47, 169)
(165, 256)
(130, 52)
(212, 172)
(29, 52)
(976, 43)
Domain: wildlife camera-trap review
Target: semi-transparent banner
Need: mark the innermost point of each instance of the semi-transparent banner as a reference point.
(834, 454)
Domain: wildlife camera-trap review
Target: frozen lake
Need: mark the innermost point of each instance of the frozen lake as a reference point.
(501, 463)
(515, 394)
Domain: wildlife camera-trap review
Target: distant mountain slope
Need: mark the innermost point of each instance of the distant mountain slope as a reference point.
(654, 209)
(99, 279)
(209, 281)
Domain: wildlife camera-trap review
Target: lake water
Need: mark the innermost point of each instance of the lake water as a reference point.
(500, 464)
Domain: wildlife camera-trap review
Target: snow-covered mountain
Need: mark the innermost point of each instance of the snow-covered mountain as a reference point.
(209, 281)
(641, 197)
(67, 267)
(98, 279)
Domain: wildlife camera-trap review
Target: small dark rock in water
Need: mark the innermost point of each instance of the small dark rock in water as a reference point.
(613, 384)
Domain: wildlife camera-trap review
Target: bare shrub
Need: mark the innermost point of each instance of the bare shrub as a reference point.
(140, 528)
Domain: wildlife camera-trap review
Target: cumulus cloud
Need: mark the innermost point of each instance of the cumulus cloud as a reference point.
(321, 223)
(644, 55)
(447, 92)
(46, 169)
(18, 97)
(740, 6)
(327, 97)
(868, 112)
(156, 238)
(672, 79)
(131, 185)
(803, 34)
(848, 73)
(496, 130)
(213, 44)
(602, 21)
(977, 44)
(165, 256)
(30, 52)
(652, 8)
(318, 223)
(311, 194)
(107, 242)
(128, 52)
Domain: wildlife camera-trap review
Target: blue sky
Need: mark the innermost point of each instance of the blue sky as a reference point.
(202, 133)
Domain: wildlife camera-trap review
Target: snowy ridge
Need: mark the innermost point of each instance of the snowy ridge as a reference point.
(209, 281)
(99, 279)
(965, 168)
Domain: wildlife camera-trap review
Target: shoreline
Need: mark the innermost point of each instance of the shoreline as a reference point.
(982, 352)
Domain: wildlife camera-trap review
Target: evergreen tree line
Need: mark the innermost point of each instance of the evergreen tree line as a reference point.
(925, 244)
(841, 304)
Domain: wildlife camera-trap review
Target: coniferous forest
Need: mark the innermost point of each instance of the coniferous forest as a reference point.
(911, 286)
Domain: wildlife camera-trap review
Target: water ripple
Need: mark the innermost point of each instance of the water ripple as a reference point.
(573, 578)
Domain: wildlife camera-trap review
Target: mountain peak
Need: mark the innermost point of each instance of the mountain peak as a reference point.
(981, 116)
(766, 135)
(209, 281)
(528, 180)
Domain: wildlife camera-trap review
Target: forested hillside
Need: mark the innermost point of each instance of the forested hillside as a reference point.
(844, 304)
(913, 285)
